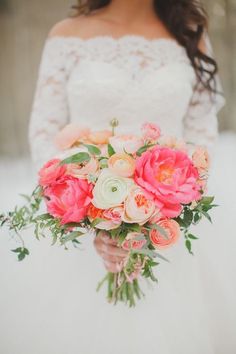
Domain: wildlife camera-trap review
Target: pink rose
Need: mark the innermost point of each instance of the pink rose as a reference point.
(69, 199)
(69, 135)
(151, 131)
(169, 177)
(83, 170)
(112, 217)
(51, 172)
(134, 240)
(126, 143)
(172, 230)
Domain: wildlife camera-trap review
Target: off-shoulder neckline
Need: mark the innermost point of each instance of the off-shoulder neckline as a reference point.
(123, 38)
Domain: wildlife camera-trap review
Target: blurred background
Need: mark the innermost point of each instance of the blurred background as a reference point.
(24, 26)
(47, 304)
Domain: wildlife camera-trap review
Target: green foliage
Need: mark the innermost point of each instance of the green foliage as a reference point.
(144, 148)
(93, 150)
(110, 150)
(80, 157)
(22, 252)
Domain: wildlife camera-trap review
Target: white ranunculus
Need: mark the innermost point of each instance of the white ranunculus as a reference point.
(110, 190)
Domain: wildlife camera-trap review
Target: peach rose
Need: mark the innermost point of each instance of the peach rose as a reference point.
(69, 135)
(99, 137)
(138, 206)
(172, 229)
(173, 143)
(201, 159)
(151, 131)
(83, 170)
(126, 143)
(122, 164)
(112, 217)
(51, 172)
(134, 240)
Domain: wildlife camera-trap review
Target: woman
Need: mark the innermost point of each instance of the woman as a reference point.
(137, 60)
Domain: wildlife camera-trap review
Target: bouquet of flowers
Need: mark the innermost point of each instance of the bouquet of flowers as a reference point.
(144, 191)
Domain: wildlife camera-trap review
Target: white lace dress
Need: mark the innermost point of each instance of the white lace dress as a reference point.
(191, 310)
(131, 78)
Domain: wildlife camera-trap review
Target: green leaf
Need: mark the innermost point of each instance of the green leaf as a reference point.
(189, 246)
(192, 237)
(97, 221)
(188, 217)
(161, 257)
(161, 230)
(18, 250)
(207, 200)
(71, 236)
(76, 158)
(94, 150)
(143, 149)
(197, 217)
(145, 252)
(21, 256)
(110, 149)
(207, 216)
(25, 196)
(134, 227)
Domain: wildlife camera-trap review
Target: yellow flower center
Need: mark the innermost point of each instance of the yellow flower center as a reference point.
(165, 174)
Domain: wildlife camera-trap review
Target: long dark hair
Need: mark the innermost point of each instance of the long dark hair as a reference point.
(186, 20)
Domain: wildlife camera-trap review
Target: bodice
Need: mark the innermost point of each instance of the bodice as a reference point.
(91, 81)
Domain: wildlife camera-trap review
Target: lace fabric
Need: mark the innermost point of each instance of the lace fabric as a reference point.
(89, 81)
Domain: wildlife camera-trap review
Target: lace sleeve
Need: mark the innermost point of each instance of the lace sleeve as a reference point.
(50, 110)
(200, 121)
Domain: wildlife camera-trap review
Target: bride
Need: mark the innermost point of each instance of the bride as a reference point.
(137, 60)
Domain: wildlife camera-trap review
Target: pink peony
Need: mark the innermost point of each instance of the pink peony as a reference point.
(151, 131)
(69, 199)
(51, 172)
(172, 229)
(169, 177)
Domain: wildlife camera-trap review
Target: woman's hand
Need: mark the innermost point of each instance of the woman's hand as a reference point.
(113, 256)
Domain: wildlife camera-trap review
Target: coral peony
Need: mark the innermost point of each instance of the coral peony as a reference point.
(69, 199)
(51, 172)
(169, 177)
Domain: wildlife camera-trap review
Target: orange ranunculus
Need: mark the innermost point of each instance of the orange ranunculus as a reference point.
(122, 164)
(172, 230)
